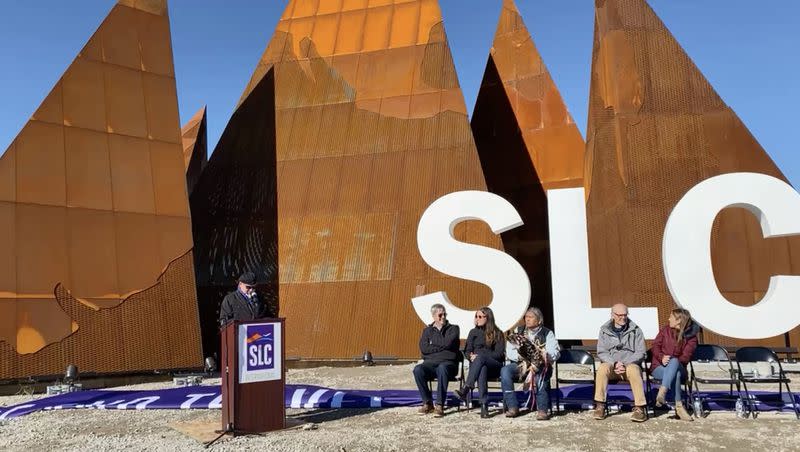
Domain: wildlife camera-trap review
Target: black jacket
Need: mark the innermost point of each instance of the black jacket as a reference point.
(476, 343)
(236, 307)
(438, 346)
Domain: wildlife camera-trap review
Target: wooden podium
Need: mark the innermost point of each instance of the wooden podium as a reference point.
(253, 376)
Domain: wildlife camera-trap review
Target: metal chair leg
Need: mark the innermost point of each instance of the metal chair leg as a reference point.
(748, 401)
(791, 397)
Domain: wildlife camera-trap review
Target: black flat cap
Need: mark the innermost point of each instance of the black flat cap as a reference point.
(248, 278)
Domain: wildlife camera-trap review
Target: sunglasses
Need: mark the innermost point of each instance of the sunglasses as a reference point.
(441, 314)
(480, 316)
(621, 315)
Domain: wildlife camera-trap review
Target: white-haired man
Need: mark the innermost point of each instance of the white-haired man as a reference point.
(621, 349)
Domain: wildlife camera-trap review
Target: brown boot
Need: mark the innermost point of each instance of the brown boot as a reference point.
(512, 412)
(680, 410)
(599, 410)
(438, 411)
(542, 416)
(662, 396)
(426, 408)
(638, 414)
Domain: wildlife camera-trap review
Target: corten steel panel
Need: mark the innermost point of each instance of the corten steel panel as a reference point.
(234, 210)
(195, 148)
(95, 225)
(83, 88)
(162, 117)
(169, 180)
(8, 243)
(131, 174)
(96, 345)
(8, 175)
(52, 108)
(527, 142)
(125, 102)
(88, 170)
(370, 120)
(94, 274)
(656, 128)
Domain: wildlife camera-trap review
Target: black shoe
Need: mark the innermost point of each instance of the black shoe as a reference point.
(484, 410)
(462, 393)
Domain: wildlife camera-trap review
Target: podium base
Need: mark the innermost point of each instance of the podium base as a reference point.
(233, 432)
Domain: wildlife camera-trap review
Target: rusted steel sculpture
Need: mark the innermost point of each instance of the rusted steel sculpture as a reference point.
(234, 210)
(195, 147)
(656, 128)
(96, 265)
(371, 128)
(527, 142)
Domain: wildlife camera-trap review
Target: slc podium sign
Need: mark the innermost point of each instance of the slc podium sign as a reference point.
(253, 376)
(686, 259)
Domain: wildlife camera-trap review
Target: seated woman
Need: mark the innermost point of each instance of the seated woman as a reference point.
(485, 349)
(672, 351)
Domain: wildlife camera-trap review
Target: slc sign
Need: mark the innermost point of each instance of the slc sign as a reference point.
(686, 258)
(257, 352)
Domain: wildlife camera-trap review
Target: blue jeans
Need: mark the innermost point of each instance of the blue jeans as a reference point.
(671, 376)
(542, 382)
(442, 372)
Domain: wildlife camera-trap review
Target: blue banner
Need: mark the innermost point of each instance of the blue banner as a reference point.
(306, 396)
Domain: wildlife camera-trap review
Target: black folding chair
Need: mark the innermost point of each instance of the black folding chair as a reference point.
(709, 353)
(577, 357)
(763, 354)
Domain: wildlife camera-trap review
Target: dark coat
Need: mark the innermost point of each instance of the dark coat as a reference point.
(438, 346)
(666, 344)
(476, 343)
(236, 307)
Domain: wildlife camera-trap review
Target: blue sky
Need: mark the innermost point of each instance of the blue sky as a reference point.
(749, 54)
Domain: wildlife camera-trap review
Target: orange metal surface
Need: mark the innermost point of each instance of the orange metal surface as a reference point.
(94, 214)
(548, 131)
(527, 142)
(656, 128)
(195, 147)
(371, 128)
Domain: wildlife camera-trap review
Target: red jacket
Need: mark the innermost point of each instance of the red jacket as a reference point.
(666, 344)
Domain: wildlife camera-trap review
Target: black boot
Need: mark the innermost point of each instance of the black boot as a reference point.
(484, 410)
(462, 393)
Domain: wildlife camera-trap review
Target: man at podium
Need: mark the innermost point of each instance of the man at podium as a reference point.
(243, 303)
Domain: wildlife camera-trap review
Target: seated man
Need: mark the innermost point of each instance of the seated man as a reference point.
(440, 355)
(620, 348)
(519, 369)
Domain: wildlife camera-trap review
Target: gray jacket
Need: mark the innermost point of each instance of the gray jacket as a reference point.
(628, 348)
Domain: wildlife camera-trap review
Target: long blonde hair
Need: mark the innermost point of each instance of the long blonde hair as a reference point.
(684, 318)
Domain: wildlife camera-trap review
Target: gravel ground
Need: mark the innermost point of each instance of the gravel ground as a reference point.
(390, 429)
